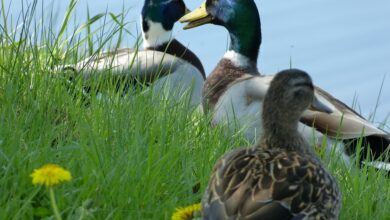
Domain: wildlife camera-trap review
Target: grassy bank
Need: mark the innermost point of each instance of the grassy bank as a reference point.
(131, 157)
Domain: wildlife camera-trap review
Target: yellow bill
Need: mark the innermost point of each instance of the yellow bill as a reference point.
(187, 11)
(198, 17)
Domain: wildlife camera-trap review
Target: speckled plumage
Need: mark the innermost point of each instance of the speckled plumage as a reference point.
(280, 178)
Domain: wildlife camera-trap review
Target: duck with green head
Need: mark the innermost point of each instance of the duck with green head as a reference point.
(235, 90)
(164, 60)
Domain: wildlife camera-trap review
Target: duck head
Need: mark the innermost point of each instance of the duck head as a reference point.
(240, 17)
(291, 92)
(158, 18)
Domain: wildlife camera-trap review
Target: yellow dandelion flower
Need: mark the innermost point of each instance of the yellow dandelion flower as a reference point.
(186, 213)
(50, 175)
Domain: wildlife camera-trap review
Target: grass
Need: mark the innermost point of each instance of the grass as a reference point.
(131, 157)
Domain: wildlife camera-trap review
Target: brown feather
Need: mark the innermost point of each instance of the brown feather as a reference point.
(297, 184)
(280, 177)
(223, 76)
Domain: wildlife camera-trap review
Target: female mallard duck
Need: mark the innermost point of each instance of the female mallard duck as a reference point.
(164, 60)
(279, 178)
(234, 91)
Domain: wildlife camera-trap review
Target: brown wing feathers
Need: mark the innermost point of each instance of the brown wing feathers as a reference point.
(267, 185)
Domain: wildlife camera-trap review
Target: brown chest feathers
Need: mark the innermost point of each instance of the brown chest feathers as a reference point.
(223, 76)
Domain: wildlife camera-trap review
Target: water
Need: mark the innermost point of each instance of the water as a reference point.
(344, 45)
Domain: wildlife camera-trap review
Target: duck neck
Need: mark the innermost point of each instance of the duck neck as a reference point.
(282, 134)
(157, 38)
(154, 34)
(175, 48)
(244, 45)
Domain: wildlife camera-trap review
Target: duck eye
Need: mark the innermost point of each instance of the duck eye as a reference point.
(305, 84)
(298, 93)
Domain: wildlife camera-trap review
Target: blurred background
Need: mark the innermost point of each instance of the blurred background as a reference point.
(343, 45)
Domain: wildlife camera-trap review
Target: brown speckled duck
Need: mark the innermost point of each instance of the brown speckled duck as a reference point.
(280, 177)
(235, 90)
(164, 60)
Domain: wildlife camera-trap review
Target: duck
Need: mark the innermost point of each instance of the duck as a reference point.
(234, 91)
(280, 177)
(163, 61)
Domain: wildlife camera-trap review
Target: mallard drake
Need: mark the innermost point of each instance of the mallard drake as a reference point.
(164, 60)
(235, 90)
(280, 177)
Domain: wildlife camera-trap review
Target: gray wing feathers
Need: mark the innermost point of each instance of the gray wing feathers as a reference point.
(128, 62)
(343, 123)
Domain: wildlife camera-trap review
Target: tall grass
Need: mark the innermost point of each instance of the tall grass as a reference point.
(132, 157)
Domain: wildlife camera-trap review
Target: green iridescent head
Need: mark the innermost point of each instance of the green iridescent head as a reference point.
(166, 12)
(240, 17)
